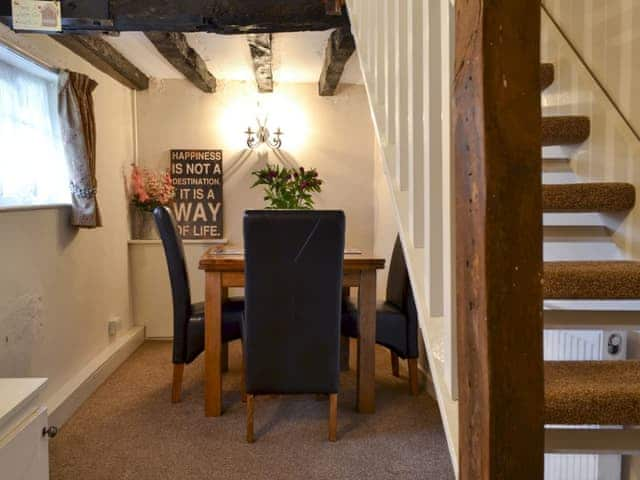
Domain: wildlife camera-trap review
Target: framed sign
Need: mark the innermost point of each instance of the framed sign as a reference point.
(197, 178)
(36, 15)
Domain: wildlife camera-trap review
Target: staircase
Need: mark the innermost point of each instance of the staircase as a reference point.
(588, 393)
(406, 56)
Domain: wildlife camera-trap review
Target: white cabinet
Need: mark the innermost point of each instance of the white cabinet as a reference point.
(24, 454)
(24, 446)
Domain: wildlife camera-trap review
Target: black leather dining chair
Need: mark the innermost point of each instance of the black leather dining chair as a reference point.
(396, 318)
(188, 318)
(291, 326)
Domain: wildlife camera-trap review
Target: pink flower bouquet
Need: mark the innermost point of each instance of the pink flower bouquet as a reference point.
(149, 189)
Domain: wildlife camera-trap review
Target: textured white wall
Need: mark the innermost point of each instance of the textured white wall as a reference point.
(60, 286)
(612, 152)
(607, 35)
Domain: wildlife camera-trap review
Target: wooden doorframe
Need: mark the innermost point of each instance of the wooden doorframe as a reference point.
(497, 145)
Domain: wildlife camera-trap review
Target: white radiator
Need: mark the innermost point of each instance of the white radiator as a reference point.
(583, 345)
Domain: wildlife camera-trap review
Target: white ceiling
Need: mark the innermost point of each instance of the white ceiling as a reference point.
(297, 57)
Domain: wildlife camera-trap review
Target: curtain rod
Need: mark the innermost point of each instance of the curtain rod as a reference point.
(29, 56)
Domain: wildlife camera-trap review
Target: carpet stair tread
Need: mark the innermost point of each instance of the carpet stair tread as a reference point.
(547, 75)
(565, 130)
(588, 197)
(604, 280)
(592, 392)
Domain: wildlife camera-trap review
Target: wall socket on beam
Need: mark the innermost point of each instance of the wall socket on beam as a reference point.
(114, 325)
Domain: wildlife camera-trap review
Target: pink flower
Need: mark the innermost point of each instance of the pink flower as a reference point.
(150, 189)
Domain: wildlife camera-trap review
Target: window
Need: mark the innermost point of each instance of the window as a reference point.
(33, 170)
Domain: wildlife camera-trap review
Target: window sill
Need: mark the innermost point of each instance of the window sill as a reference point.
(21, 208)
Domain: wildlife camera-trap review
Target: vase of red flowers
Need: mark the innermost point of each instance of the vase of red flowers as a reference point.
(148, 190)
(286, 188)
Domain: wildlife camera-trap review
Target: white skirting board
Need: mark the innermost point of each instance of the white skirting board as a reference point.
(66, 401)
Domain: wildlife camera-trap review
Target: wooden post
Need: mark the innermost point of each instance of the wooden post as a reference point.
(499, 239)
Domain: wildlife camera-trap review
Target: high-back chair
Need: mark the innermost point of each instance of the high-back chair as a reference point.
(188, 318)
(396, 318)
(291, 326)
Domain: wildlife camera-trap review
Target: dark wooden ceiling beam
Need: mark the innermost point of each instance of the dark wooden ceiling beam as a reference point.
(333, 7)
(175, 48)
(261, 54)
(340, 47)
(104, 57)
(218, 16)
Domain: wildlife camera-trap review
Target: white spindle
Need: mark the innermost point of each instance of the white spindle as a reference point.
(390, 57)
(406, 54)
(433, 158)
(381, 83)
(355, 18)
(447, 19)
(371, 51)
(402, 106)
(416, 130)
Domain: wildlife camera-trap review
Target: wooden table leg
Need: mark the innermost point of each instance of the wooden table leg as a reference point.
(345, 351)
(367, 342)
(224, 358)
(344, 341)
(213, 344)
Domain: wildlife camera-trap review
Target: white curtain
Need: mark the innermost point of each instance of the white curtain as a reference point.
(33, 169)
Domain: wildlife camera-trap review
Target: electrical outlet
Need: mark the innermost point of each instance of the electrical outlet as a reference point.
(113, 326)
(615, 347)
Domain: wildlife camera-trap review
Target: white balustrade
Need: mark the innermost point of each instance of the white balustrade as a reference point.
(406, 53)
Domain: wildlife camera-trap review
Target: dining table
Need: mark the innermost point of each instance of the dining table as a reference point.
(224, 268)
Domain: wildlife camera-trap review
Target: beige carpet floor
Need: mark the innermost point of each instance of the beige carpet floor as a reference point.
(128, 429)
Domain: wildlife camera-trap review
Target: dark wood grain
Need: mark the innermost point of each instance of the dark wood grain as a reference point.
(366, 342)
(261, 55)
(176, 385)
(333, 416)
(499, 239)
(215, 259)
(250, 414)
(333, 7)
(345, 353)
(217, 16)
(395, 364)
(174, 47)
(340, 47)
(99, 53)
